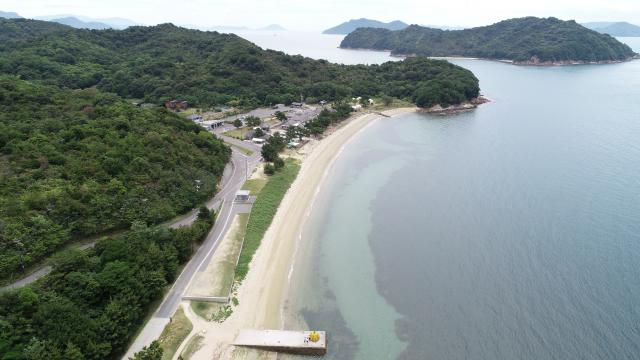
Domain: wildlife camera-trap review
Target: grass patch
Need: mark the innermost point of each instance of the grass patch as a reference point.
(242, 150)
(235, 133)
(190, 111)
(254, 185)
(263, 212)
(174, 334)
(204, 309)
(212, 311)
(192, 346)
(223, 313)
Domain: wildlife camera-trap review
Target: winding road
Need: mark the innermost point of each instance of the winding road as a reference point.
(242, 166)
(230, 177)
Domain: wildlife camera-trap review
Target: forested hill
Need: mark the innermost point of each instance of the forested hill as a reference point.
(206, 68)
(525, 40)
(77, 159)
(74, 163)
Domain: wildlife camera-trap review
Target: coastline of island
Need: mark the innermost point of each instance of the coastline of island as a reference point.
(531, 62)
(550, 42)
(455, 109)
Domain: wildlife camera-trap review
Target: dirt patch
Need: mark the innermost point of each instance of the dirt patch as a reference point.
(217, 278)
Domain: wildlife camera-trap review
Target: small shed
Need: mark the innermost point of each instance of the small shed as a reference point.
(242, 195)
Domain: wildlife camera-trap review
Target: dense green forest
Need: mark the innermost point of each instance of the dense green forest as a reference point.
(526, 40)
(93, 302)
(205, 68)
(74, 163)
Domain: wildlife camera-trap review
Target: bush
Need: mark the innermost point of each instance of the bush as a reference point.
(269, 169)
(278, 163)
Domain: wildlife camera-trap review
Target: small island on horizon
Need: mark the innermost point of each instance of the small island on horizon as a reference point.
(522, 41)
(353, 24)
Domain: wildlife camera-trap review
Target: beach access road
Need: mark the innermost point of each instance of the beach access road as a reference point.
(242, 167)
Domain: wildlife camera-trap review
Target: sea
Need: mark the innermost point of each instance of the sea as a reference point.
(508, 232)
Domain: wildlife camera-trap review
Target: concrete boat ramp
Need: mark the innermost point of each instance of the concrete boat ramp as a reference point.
(292, 342)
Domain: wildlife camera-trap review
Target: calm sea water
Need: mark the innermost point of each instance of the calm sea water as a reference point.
(509, 232)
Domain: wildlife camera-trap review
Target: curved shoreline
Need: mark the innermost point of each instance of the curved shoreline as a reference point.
(263, 293)
(506, 61)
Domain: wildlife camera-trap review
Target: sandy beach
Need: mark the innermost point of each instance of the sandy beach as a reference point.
(262, 293)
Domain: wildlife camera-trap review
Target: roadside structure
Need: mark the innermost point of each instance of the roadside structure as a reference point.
(242, 195)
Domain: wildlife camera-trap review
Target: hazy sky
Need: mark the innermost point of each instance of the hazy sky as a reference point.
(320, 14)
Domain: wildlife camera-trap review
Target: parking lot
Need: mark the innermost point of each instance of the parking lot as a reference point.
(295, 115)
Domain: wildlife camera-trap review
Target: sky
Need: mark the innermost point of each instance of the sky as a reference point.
(321, 14)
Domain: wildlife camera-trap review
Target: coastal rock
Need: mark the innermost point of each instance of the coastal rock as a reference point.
(456, 109)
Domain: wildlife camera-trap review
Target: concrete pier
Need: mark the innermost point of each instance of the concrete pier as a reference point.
(292, 342)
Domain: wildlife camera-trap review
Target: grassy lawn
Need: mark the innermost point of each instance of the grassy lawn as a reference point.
(254, 185)
(174, 334)
(192, 346)
(236, 133)
(190, 111)
(263, 211)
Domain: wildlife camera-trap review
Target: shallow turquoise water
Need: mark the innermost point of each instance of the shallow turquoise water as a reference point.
(509, 232)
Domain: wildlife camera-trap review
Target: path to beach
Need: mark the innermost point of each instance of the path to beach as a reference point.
(262, 293)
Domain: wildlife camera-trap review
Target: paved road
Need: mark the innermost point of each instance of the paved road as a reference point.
(214, 203)
(243, 166)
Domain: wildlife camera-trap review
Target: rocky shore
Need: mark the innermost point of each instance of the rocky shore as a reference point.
(534, 61)
(456, 109)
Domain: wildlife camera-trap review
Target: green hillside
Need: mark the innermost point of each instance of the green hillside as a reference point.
(525, 40)
(206, 68)
(81, 162)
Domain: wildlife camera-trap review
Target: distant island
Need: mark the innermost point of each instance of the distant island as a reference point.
(85, 22)
(273, 27)
(349, 26)
(525, 41)
(622, 28)
(9, 15)
(79, 24)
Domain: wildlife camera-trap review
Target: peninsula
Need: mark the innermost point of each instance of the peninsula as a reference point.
(525, 41)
